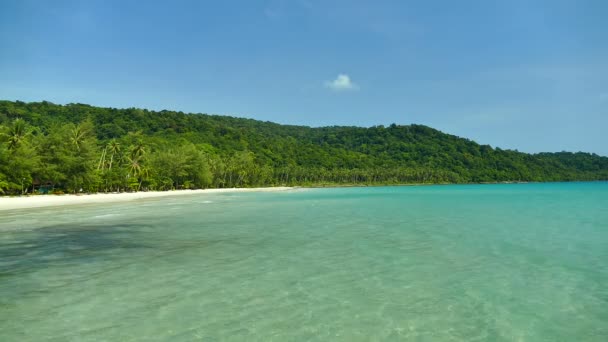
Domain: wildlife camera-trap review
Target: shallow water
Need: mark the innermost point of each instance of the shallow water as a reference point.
(520, 262)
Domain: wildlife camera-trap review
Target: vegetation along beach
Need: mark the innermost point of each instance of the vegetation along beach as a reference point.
(80, 148)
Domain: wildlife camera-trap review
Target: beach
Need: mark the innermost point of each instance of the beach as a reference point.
(38, 201)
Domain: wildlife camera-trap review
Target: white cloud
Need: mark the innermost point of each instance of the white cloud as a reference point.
(342, 82)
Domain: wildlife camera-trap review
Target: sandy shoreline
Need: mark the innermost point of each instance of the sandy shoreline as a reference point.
(26, 202)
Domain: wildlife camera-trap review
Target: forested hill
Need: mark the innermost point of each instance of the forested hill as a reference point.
(77, 146)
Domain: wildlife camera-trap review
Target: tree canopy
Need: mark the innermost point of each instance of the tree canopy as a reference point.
(77, 147)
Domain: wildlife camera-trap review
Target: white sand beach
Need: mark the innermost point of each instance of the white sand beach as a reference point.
(37, 201)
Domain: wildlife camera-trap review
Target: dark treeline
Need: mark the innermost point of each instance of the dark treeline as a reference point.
(44, 146)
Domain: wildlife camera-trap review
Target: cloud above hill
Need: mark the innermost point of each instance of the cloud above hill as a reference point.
(341, 83)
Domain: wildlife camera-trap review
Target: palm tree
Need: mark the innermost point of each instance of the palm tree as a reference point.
(114, 147)
(134, 166)
(78, 135)
(16, 133)
(144, 173)
(135, 169)
(102, 159)
(138, 150)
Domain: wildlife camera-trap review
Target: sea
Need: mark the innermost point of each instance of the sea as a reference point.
(501, 262)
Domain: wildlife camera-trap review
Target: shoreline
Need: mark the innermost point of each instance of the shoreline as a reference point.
(40, 201)
(445, 184)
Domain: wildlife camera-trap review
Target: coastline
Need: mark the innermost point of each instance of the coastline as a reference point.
(39, 201)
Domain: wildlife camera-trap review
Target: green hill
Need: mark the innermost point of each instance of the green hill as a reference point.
(77, 146)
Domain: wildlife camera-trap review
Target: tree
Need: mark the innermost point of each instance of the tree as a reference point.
(77, 146)
(18, 157)
(114, 148)
(15, 134)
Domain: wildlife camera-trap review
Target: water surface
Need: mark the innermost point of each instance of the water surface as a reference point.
(521, 262)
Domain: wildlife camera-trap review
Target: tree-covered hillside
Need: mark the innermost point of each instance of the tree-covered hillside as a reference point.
(77, 146)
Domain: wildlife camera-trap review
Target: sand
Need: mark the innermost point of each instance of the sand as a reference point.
(26, 202)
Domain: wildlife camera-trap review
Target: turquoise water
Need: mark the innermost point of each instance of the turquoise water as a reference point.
(521, 262)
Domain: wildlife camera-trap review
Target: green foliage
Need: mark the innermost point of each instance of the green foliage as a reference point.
(77, 147)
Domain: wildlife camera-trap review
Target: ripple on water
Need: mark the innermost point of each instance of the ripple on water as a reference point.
(421, 263)
(106, 216)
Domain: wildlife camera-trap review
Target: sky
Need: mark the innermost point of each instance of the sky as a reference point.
(528, 75)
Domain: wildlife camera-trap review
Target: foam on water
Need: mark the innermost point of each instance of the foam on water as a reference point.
(105, 216)
(491, 262)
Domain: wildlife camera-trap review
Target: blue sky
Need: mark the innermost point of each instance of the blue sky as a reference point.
(527, 75)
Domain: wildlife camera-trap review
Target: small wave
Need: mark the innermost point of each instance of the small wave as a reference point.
(106, 216)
